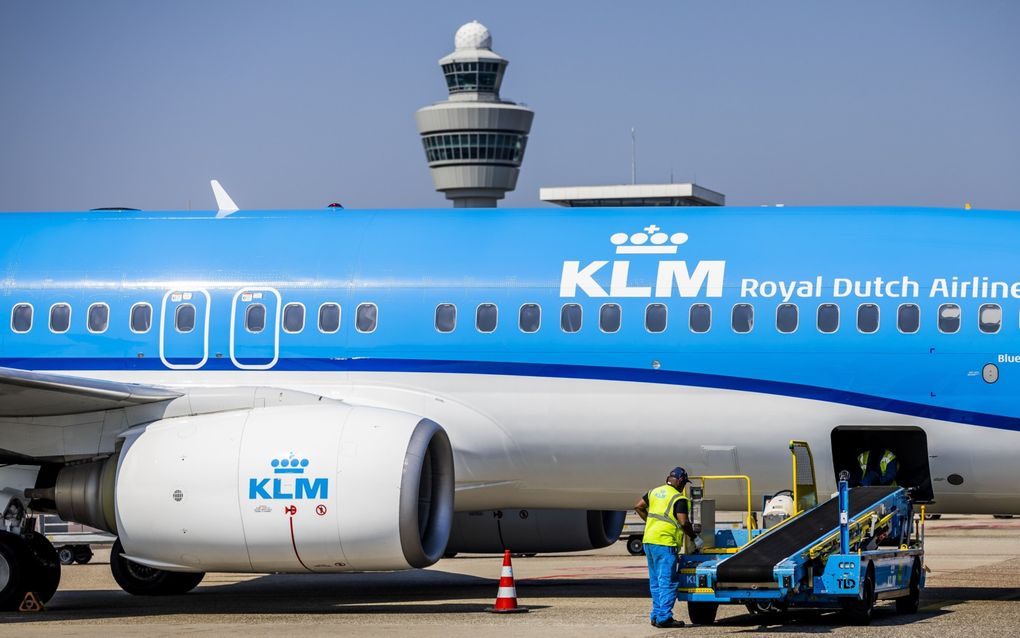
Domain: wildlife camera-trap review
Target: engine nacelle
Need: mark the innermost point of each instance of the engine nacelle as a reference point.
(527, 531)
(321, 488)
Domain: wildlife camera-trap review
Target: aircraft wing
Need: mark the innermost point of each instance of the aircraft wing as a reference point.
(25, 394)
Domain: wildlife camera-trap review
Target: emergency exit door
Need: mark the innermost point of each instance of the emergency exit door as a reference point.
(255, 328)
(184, 329)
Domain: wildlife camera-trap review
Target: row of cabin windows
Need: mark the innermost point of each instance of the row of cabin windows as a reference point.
(827, 318)
(908, 318)
(185, 318)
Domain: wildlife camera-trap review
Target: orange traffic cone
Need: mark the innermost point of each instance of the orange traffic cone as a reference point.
(506, 597)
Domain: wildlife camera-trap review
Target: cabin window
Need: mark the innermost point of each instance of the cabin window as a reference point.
(329, 318)
(530, 317)
(486, 316)
(742, 318)
(867, 318)
(366, 317)
(700, 319)
(609, 317)
(446, 317)
(787, 317)
(99, 317)
(655, 317)
(141, 317)
(293, 317)
(570, 317)
(60, 317)
(184, 318)
(828, 318)
(990, 318)
(255, 318)
(21, 317)
(908, 318)
(949, 318)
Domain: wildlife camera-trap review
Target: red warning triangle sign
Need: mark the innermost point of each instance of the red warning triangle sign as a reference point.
(31, 602)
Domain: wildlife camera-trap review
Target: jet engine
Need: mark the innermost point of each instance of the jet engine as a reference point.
(528, 531)
(320, 488)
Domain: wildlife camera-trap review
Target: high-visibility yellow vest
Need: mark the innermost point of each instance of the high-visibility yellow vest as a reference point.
(661, 526)
(883, 463)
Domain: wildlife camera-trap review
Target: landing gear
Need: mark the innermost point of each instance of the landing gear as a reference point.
(28, 563)
(148, 581)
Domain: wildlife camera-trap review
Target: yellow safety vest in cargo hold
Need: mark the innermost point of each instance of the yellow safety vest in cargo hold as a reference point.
(883, 463)
(661, 527)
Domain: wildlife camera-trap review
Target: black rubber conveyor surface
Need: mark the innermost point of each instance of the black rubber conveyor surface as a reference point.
(755, 564)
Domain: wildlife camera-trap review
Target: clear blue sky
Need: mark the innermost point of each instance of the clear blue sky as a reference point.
(139, 103)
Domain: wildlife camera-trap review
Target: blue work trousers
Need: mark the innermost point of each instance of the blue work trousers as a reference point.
(663, 579)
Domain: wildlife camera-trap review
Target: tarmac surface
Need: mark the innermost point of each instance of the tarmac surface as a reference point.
(973, 590)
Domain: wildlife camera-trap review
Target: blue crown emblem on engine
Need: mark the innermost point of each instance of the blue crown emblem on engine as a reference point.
(289, 465)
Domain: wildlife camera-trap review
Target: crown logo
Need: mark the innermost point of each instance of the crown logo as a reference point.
(651, 242)
(289, 465)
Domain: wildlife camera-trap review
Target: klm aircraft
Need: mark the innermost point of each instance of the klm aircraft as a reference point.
(341, 390)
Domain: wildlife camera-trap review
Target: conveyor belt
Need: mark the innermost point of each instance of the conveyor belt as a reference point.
(755, 563)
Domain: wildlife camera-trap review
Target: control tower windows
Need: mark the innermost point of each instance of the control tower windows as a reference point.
(471, 76)
(497, 147)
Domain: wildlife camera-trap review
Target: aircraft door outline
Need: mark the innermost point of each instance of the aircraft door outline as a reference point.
(263, 346)
(173, 342)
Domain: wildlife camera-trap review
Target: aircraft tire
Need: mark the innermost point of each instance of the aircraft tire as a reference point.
(635, 546)
(148, 581)
(66, 554)
(45, 566)
(82, 554)
(15, 567)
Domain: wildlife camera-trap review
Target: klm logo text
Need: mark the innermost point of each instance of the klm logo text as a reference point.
(672, 278)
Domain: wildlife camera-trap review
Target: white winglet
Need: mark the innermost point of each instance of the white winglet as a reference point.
(223, 201)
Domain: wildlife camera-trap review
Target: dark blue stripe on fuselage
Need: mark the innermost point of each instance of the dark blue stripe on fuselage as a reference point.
(665, 377)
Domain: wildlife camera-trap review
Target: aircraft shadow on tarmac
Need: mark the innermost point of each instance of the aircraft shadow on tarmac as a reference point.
(433, 592)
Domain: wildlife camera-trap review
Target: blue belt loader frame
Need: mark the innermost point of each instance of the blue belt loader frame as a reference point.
(868, 553)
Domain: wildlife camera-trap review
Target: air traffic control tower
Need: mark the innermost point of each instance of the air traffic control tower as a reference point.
(474, 141)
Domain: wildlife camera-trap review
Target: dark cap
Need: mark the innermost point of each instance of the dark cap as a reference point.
(679, 473)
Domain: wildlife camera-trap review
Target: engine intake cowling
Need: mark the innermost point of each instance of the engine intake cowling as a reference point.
(323, 488)
(529, 531)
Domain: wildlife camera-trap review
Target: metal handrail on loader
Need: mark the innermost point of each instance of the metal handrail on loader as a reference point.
(749, 517)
